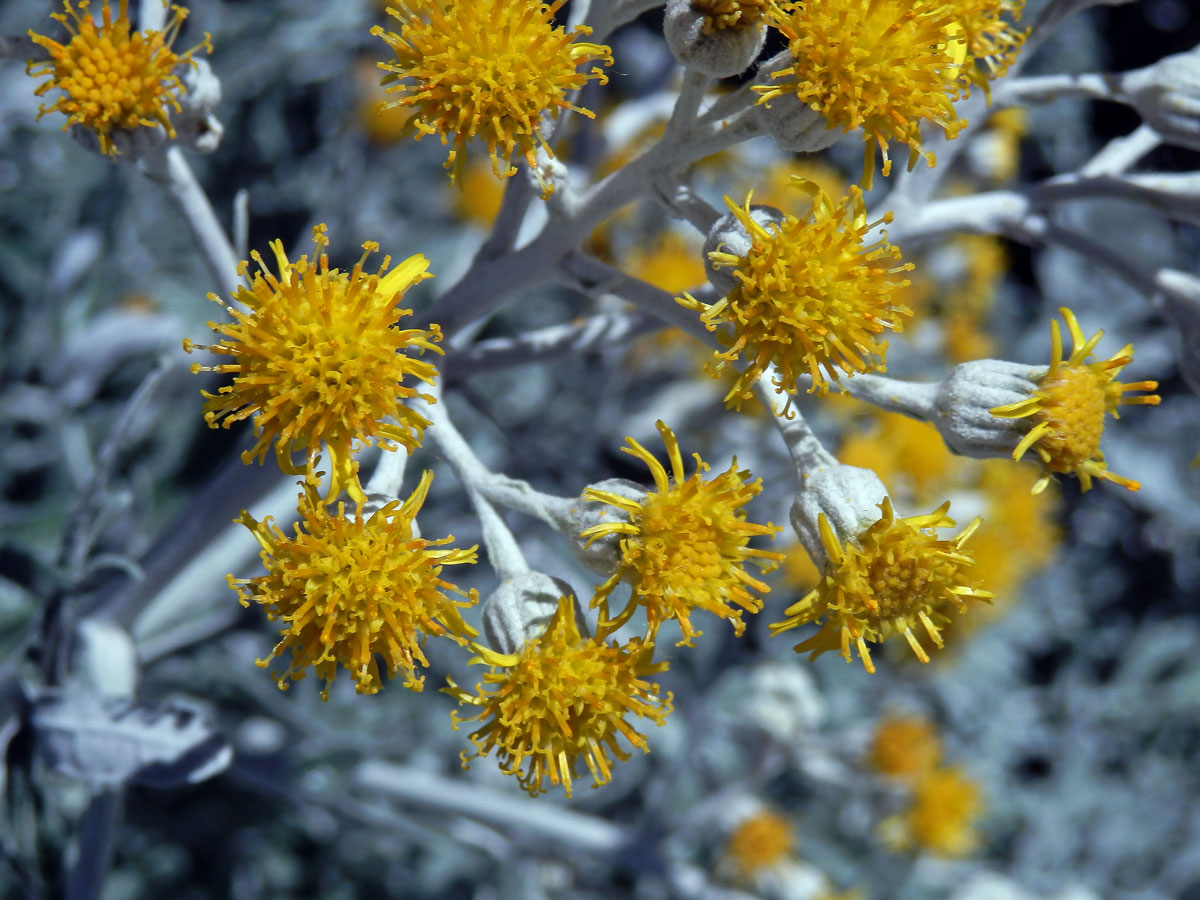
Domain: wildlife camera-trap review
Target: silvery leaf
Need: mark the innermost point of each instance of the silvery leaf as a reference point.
(107, 743)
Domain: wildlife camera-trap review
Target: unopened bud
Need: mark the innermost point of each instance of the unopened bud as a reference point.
(720, 53)
(964, 401)
(791, 123)
(521, 608)
(600, 555)
(728, 235)
(848, 496)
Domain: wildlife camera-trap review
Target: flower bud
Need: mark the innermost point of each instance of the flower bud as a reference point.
(791, 123)
(520, 609)
(965, 400)
(728, 235)
(600, 555)
(848, 496)
(720, 53)
(1167, 97)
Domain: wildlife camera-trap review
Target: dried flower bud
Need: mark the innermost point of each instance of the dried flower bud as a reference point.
(520, 609)
(728, 235)
(791, 123)
(848, 496)
(601, 555)
(720, 53)
(195, 123)
(965, 400)
(1167, 97)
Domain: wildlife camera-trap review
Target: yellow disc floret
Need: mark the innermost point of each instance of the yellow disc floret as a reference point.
(684, 547)
(811, 296)
(487, 69)
(735, 14)
(353, 591)
(562, 699)
(110, 76)
(318, 360)
(877, 65)
(1066, 412)
(759, 842)
(892, 577)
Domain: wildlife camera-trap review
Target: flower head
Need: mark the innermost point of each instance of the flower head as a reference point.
(736, 14)
(1066, 412)
(562, 699)
(941, 816)
(489, 69)
(904, 747)
(760, 842)
(353, 591)
(684, 546)
(318, 360)
(110, 76)
(810, 297)
(880, 66)
(893, 576)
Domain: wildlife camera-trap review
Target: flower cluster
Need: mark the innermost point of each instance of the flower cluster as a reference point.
(112, 78)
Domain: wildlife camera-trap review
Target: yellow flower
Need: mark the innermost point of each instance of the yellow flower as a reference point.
(317, 360)
(904, 451)
(760, 842)
(353, 591)
(110, 76)
(1067, 410)
(563, 698)
(1021, 534)
(894, 575)
(487, 69)
(991, 39)
(904, 747)
(811, 296)
(877, 65)
(671, 262)
(736, 14)
(684, 547)
(941, 817)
